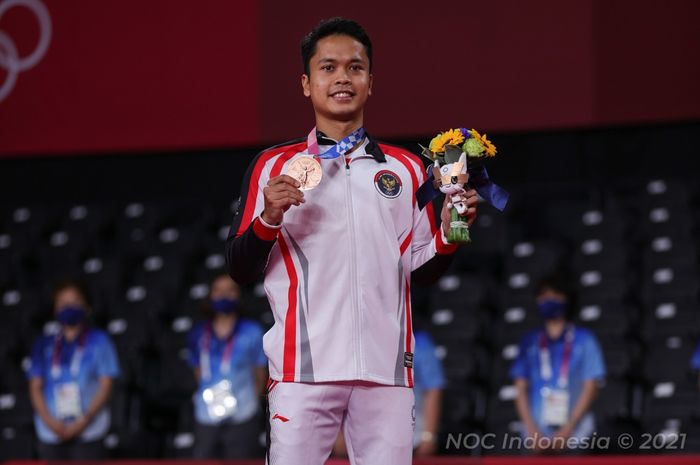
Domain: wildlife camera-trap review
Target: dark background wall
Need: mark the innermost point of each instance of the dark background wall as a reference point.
(597, 158)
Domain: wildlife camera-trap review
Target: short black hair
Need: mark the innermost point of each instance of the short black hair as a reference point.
(70, 283)
(331, 26)
(556, 282)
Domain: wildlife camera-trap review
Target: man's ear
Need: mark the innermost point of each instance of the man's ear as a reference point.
(370, 84)
(306, 85)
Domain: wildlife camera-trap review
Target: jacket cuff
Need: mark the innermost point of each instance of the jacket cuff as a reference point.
(265, 231)
(443, 247)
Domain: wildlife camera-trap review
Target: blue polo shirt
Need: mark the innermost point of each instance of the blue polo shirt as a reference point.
(586, 364)
(695, 361)
(99, 358)
(427, 374)
(246, 355)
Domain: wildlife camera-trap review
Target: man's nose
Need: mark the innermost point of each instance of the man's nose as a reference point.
(342, 77)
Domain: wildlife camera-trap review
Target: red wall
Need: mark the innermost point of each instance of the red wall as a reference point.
(128, 75)
(132, 74)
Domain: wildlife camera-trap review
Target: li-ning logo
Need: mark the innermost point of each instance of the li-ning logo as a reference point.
(10, 60)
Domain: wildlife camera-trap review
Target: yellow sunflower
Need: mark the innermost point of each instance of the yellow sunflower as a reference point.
(488, 146)
(451, 137)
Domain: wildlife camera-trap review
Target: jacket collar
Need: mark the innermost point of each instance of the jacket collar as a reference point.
(372, 147)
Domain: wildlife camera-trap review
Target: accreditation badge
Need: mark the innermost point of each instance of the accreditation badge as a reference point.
(220, 401)
(306, 170)
(67, 397)
(555, 406)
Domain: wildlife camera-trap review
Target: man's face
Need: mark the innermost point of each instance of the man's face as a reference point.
(339, 81)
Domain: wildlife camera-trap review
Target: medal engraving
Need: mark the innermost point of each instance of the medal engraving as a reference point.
(307, 171)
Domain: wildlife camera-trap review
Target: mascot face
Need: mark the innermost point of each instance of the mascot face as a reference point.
(449, 174)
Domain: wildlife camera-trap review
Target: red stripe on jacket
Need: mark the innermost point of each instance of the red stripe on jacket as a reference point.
(253, 183)
(406, 157)
(290, 319)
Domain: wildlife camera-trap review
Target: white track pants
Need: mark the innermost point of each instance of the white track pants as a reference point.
(305, 419)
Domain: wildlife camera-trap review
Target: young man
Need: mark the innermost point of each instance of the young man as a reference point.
(557, 373)
(70, 380)
(338, 258)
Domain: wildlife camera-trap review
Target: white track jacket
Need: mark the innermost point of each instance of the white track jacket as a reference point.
(337, 273)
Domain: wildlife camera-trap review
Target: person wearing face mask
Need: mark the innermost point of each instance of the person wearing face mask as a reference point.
(557, 373)
(227, 357)
(70, 380)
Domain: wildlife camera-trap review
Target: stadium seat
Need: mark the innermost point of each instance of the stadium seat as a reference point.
(461, 360)
(536, 258)
(16, 443)
(664, 318)
(594, 253)
(663, 350)
(604, 316)
(665, 251)
(669, 281)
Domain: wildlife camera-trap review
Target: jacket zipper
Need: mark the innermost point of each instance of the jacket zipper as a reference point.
(357, 351)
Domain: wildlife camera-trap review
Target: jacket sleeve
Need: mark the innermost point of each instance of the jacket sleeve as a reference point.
(250, 241)
(431, 255)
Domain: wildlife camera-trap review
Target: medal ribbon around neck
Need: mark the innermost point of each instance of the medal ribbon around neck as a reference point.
(345, 145)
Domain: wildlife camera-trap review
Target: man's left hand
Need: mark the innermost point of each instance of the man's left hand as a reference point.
(75, 429)
(561, 436)
(472, 199)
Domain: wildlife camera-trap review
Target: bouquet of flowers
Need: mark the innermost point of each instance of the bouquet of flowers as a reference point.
(456, 154)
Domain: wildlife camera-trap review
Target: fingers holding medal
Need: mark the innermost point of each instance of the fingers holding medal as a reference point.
(280, 193)
(303, 174)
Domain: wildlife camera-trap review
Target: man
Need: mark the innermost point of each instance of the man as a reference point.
(556, 374)
(229, 365)
(338, 259)
(70, 380)
(429, 382)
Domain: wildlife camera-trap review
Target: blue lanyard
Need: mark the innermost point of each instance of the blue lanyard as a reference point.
(348, 143)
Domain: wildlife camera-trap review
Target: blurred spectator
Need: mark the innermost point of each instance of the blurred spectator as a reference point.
(429, 380)
(695, 362)
(556, 374)
(227, 357)
(70, 380)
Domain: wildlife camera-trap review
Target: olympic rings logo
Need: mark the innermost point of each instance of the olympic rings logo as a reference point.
(10, 60)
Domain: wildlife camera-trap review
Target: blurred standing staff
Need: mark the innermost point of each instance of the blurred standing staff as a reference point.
(557, 372)
(229, 364)
(695, 362)
(428, 385)
(70, 381)
(333, 223)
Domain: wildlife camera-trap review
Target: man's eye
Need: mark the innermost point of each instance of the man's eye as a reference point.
(327, 67)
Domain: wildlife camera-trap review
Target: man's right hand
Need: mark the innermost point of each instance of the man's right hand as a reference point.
(55, 425)
(280, 193)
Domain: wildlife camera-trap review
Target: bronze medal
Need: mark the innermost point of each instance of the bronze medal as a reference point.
(306, 170)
